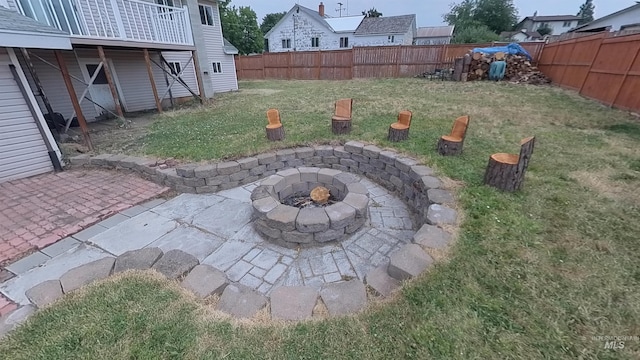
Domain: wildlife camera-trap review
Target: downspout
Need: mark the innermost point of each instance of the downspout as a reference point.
(52, 153)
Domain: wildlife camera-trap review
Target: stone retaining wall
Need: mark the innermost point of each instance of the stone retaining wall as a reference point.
(412, 182)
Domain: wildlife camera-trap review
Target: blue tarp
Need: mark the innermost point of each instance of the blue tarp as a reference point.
(513, 49)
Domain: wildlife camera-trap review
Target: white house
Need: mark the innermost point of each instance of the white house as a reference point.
(389, 30)
(304, 29)
(520, 36)
(108, 43)
(558, 24)
(170, 30)
(624, 19)
(27, 147)
(434, 35)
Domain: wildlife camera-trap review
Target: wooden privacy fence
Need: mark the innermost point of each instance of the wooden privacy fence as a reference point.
(601, 67)
(359, 62)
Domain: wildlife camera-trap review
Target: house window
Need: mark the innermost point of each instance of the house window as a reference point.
(344, 42)
(286, 43)
(174, 67)
(206, 15)
(544, 25)
(217, 68)
(315, 42)
(566, 24)
(391, 38)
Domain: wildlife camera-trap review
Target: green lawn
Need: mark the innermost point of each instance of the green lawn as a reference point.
(533, 275)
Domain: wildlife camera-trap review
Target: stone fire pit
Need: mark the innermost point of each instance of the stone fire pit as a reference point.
(291, 226)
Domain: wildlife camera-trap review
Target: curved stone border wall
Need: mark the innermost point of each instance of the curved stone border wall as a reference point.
(412, 182)
(291, 227)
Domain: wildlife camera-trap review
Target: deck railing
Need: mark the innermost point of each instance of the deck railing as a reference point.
(129, 20)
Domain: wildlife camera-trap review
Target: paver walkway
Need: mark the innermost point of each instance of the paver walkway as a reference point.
(41, 210)
(218, 230)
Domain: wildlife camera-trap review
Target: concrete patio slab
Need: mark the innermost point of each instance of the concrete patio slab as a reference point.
(139, 231)
(16, 288)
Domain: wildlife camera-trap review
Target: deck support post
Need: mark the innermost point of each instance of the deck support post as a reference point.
(147, 61)
(112, 87)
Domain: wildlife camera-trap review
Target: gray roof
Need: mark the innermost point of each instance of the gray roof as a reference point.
(435, 31)
(386, 25)
(12, 21)
(229, 49)
(553, 18)
(607, 17)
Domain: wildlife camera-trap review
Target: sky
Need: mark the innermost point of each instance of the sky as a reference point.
(429, 12)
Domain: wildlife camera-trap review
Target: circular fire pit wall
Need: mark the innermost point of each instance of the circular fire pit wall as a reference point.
(291, 226)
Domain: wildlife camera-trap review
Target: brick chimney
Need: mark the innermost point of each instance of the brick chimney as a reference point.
(321, 9)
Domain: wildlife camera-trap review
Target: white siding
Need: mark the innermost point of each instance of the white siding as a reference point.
(188, 75)
(22, 149)
(53, 83)
(380, 40)
(131, 72)
(433, 40)
(12, 5)
(626, 18)
(557, 27)
(227, 80)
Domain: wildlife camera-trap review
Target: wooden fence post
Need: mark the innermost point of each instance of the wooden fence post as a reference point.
(567, 61)
(624, 78)
(289, 68)
(264, 76)
(591, 65)
(398, 54)
(319, 69)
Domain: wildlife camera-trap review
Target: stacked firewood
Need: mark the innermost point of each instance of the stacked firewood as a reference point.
(519, 68)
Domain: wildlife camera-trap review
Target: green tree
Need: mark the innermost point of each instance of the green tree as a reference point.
(544, 31)
(240, 27)
(474, 34)
(586, 12)
(270, 20)
(497, 15)
(373, 12)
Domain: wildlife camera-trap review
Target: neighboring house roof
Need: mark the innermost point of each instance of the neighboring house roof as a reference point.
(529, 34)
(345, 24)
(435, 31)
(553, 18)
(229, 49)
(20, 31)
(607, 17)
(386, 25)
(311, 13)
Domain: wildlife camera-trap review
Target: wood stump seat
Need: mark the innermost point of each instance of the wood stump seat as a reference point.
(452, 144)
(506, 171)
(275, 130)
(399, 130)
(341, 120)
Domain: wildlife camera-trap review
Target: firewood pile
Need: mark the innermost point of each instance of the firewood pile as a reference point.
(519, 69)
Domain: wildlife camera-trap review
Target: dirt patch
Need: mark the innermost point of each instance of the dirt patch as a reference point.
(610, 183)
(265, 92)
(112, 136)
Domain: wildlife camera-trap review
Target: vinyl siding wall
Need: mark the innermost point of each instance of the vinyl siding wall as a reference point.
(227, 80)
(130, 70)
(22, 149)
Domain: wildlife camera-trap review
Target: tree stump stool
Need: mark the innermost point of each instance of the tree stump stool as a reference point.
(275, 134)
(341, 120)
(275, 130)
(399, 131)
(506, 171)
(340, 125)
(452, 144)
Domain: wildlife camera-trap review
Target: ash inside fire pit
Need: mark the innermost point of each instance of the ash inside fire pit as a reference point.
(303, 201)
